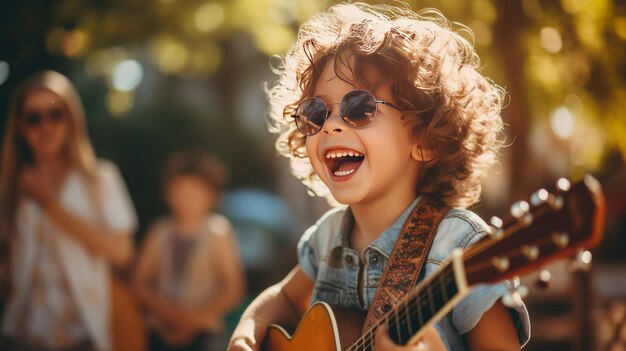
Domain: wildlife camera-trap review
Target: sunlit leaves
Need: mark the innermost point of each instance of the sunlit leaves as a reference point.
(569, 47)
(577, 49)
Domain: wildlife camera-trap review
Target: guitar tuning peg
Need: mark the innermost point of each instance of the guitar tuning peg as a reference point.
(500, 263)
(517, 291)
(544, 279)
(495, 229)
(560, 239)
(582, 262)
(556, 202)
(563, 184)
(538, 197)
(531, 252)
(496, 221)
(520, 210)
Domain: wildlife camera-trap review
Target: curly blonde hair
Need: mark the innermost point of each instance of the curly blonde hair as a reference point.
(453, 110)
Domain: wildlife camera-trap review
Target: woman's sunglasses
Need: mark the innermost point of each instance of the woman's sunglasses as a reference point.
(358, 109)
(36, 118)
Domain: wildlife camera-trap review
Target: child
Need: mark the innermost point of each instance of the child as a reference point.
(380, 108)
(189, 274)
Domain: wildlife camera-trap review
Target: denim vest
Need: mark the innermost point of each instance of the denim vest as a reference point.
(325, 257)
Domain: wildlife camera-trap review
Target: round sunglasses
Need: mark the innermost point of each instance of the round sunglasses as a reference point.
(36, 118)
(358, 109)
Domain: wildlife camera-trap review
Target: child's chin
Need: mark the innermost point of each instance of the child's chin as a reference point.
(346, 198)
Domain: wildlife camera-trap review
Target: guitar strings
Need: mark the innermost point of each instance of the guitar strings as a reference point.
(411, 303)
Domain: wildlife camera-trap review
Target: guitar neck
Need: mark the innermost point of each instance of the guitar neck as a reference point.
(426, 304)
(557, 225)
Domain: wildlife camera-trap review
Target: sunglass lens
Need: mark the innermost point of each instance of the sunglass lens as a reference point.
(310, 116)
(358, 108)
(33, 119)
(56, 114)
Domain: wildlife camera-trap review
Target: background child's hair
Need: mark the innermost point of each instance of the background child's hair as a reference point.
(204, 165)
(433, 72)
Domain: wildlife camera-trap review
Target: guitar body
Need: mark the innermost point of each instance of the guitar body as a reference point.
(323, 328)
(127, 328)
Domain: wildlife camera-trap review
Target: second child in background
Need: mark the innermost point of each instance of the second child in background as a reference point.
(189, 274)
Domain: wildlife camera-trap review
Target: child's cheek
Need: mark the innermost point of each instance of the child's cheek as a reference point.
(310, 142)
(311, 150)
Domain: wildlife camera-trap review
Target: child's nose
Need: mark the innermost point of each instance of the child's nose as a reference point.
(334, 123)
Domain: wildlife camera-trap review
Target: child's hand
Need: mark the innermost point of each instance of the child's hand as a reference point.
(179, 335)
(430, 341)
(179, 326)
(178, 318)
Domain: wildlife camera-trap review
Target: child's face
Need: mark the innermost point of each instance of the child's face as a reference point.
(385, 168)
(189, 196)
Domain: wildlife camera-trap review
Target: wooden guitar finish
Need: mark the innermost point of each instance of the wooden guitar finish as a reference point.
(128, 331)
(318, 330)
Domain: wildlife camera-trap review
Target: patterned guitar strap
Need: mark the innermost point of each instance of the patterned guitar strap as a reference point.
(407, 258)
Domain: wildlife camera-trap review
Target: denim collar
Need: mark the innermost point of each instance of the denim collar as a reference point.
(386, 240)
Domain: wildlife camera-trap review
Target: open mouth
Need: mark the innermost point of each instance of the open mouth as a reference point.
(342, 163)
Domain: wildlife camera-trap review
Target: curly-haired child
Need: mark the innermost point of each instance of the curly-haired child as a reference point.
(382, 108)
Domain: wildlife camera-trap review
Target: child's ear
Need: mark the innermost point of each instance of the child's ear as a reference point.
(420, 153)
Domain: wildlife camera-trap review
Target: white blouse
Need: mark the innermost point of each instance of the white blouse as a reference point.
(40, 249)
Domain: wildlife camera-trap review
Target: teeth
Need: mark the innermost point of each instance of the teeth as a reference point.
(339, 154)
(343, 173)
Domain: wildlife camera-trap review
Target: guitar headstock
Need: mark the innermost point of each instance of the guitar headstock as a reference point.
(551, 225)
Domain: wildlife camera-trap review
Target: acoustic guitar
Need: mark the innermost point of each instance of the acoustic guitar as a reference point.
(554, 225)
(128, 332)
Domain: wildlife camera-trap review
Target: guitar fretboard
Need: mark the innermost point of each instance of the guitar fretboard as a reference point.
(410, 315)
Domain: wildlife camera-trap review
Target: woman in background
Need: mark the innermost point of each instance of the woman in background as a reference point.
(66, 218)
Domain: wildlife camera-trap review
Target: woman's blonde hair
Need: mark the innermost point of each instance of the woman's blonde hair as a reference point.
(453, 110)
(16, 153)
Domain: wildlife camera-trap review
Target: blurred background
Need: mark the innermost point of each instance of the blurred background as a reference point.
(163, 75)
